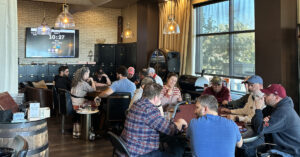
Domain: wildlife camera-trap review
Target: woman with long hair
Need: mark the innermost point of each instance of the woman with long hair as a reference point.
(170, 94)
(80, 87)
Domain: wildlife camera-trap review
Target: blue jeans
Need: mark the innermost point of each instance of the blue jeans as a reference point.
(249, 149)
(275, 151)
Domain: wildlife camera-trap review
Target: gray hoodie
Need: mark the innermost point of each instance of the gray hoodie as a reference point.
(284, 125)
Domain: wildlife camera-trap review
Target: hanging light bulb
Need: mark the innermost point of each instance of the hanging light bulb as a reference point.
(65, 19)
(127, 34)
(171, 27)
(43, 29)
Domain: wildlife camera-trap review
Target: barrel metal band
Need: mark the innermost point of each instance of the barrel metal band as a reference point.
(23, 133)
(21, 125)
(38, 150)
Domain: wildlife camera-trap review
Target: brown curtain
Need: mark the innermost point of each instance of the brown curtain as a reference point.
(177, 42)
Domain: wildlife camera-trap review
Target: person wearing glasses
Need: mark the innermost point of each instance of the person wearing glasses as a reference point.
(218, 90)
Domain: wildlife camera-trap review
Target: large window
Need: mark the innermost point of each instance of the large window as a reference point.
(225, 39)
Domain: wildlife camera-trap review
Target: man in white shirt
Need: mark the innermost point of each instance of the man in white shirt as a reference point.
(151, 73)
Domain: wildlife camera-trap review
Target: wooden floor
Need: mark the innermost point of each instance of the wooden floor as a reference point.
(65, 146)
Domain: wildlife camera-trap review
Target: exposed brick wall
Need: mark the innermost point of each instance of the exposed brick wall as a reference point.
(97, 23)
(130, 15)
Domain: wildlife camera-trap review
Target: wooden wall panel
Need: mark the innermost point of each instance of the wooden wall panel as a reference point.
(276, 44)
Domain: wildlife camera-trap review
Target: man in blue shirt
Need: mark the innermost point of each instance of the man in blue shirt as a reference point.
(210, 134)
(122, 85)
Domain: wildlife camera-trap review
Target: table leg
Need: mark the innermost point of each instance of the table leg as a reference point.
(85, 126)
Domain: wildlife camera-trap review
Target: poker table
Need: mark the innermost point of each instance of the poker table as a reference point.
(186, 111)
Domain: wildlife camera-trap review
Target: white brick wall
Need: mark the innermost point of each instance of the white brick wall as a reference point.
(97, 23)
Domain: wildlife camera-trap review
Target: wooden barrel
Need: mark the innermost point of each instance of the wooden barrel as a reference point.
(35, 132)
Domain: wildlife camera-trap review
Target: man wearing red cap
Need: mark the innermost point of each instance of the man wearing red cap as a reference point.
(283, 123)
(132, 76)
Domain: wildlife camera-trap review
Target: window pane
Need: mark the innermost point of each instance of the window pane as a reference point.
(212, 18)
(213, 54)
(243, 54)
(243, 15)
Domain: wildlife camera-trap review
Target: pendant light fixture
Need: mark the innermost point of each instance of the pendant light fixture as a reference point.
(127, 34)
(44, 29)
(171, 27)
(65, 19)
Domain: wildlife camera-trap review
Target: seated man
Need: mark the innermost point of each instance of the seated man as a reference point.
(210, 134)
(101, 79)
(132, 76)
(283, 123)
(245, 114)
(139, 92)
(62, 80)
(144, 123)
(217, 89)
(122, 85)
(151, 73)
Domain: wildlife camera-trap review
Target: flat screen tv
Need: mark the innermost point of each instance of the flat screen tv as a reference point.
(62, 43)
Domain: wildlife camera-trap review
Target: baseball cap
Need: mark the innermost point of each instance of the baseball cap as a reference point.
(150, 70)
(276, 89)
(255, 79)
(216, 80)
(131, 70)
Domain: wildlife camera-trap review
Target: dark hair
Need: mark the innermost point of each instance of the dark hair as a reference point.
(171, 75)
(62, 68)
(208, 100)
(79, 75)
(151, 90)
(144, 72)
(122, 70)
(100, 71)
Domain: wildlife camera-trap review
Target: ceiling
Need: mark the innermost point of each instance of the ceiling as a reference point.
(117, 4)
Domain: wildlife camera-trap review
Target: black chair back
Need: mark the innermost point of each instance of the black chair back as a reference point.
(20, 146)
(55, 99)
(117, 104)
(118, 144)
(65, 102)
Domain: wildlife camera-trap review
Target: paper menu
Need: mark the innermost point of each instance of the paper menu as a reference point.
(34, 110)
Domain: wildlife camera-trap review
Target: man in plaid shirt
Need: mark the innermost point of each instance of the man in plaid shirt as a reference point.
(144, 122)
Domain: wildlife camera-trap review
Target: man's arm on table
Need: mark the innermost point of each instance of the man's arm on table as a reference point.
(239, 102)
(106, 93)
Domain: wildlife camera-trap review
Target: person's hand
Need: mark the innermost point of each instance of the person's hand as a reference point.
(224, 102)
(226, 110)
(179, 99)
(266, 119)
(105, 75)
(259, 102)
(170, 91)
(181, 122)
(90, 79)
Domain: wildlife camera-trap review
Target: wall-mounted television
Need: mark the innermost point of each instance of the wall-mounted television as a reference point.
(62, 43)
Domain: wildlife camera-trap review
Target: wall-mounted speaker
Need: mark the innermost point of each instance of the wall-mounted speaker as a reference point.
(173, 61)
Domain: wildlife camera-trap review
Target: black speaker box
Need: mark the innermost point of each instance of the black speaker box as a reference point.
(173, 61)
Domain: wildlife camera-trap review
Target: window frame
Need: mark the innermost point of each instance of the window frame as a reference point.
(230, 33)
